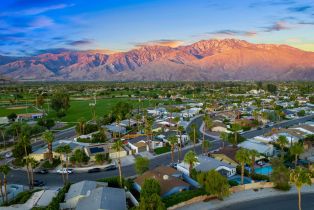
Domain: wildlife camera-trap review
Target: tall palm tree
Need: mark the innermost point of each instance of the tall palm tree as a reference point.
(296, 150)
(224, 137)
(282, 142)
(118, 121)
(60, 151)
(235, 128)
(148, 132)
(117, 146)
(206, 145)
(242, 156)
(190, 158)
(67, 150)
(25, 142)
(2, 131)
(138, 118)
(253, 154)
(193, 128)
(5, 169)
(32, 164)
(81, 126)
(173, 140)
(48, 138)
(180, 130)
(1, 191)
(299, 177)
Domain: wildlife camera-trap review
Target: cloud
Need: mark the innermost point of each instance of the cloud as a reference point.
(306, 23)
(82, 42)
(272, 3)
(161, 42)
(36, 10)
(300, 8)
(278, 26)
(41, 22)
(53, 51)
(229, 32)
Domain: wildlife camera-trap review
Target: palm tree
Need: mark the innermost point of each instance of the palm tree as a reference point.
(118, 120)
(180, 129)
(60, 151)
(282, 142)
(253, 154)
(190, 158)
(173, 140)
(1, 190)
(148, 132)
(224, 137)
(48, 138)
(193, 127)
(117, 146)
(296, 150)
(138, 118)
(300, 177)
(206, 145)
(5, 169)
(32, 164)
(235, 128)
(242, 156)
(67, 150)
(25, 142)
(81, 126)
(2, 131)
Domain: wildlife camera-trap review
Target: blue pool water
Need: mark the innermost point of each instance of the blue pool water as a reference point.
(236, 178)
(266, 170)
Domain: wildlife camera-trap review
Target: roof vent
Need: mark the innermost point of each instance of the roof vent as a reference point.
(165, 177)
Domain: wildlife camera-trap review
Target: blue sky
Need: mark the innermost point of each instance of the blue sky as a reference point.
(29, 27)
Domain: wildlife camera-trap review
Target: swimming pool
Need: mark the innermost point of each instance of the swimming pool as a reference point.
(237, 178)
(265, 170)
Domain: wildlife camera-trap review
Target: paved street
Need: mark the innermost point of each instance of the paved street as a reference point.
(253, 133)
(283, 202)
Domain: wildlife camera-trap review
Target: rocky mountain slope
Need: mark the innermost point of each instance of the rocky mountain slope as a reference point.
(227, 59)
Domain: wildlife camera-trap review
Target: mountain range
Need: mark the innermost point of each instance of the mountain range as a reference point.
(227, 59)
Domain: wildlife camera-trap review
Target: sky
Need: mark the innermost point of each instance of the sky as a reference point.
(31, 27)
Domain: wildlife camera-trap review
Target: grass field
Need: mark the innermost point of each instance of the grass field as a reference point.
(81, 108)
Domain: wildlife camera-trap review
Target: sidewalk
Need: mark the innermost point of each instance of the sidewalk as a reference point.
(244, 196)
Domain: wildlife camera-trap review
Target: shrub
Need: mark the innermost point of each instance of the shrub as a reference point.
(114, 182)
(48, 165)
(233, 183)
(21, 197)
(182, 196)
(162, 150)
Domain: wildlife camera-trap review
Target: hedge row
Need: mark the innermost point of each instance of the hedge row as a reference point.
(21, 198)
(182, 196)
(115, 182)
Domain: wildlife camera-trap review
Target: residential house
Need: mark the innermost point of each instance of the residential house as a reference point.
(205, 164)
(169, 179)
(43, 152)
(93, 195)
(262, 148)
(226, 154)
(29, 116)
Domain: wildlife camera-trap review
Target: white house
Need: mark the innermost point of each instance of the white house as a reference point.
(251, 144)
(205, 164)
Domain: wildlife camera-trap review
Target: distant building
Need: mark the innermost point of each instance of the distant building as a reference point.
(262, 148)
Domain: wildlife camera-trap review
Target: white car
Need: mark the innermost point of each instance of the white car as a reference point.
(9, 155)
(64, 171)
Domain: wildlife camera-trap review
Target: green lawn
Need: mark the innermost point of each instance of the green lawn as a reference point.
(4, 111)
(81, 108)
(162, 150)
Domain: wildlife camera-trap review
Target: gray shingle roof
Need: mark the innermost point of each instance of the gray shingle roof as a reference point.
(104, 198)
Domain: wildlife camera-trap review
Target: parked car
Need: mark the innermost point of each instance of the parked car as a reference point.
(64, 171)
(110, 168)
(94, 170)
(9, 155)
(38, 183)
(42, 171)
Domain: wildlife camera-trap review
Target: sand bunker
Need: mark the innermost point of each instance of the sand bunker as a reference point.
(17, 107)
